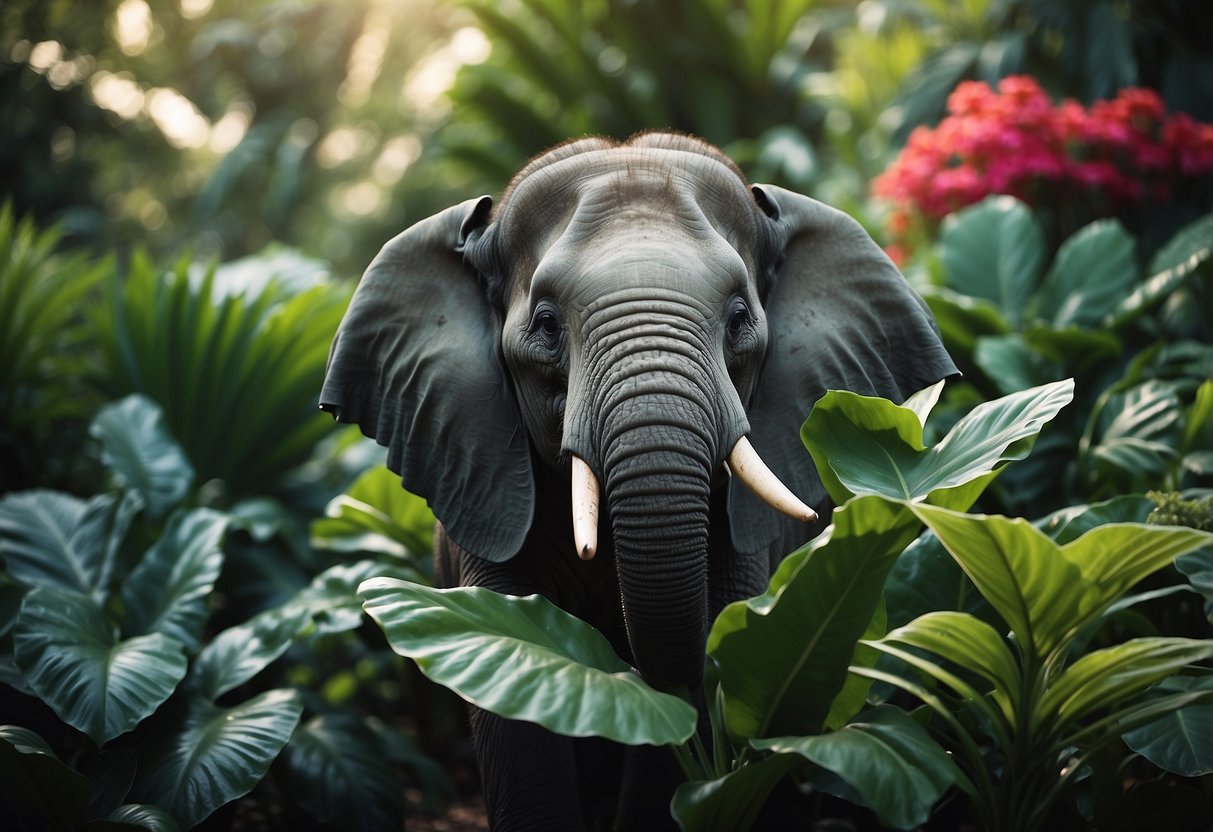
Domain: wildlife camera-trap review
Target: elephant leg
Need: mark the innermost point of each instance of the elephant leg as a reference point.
(529, 775)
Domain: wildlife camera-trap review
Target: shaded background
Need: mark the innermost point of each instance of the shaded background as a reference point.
(216, 126)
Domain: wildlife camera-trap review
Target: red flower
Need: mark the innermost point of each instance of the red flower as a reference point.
(1017, 141)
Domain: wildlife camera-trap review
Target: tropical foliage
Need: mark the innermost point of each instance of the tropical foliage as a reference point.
(1021, 717)
(183, 537)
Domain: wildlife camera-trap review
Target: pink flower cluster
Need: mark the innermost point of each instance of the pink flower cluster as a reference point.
(1017, 141)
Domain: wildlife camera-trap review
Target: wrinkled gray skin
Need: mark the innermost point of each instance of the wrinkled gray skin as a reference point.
(639, 306)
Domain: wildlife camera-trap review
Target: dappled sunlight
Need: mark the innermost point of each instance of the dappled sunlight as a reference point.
(132, 26)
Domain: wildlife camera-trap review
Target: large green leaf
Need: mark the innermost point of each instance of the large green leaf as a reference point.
(377, 515)
(887, 757)
(215, 755)
(72, 659)
(1103, 678)
(866, 445)
(826, 594)
(1093, 272)
(994, 250)
(730, 803)
(167, 592)
(1047, 592)
(1140, 432)
(144, 457)
(1179, 741)
(36, 780)
(335, 769)
(55, 540)
(524, 658)
(239, 653)
(970, 643)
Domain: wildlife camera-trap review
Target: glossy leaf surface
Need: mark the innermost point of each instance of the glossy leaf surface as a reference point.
(143, 456)
(826, 594)
(167, 592)
(994, 250)
(866, 445)
(1044, 591)
(730, 803)
(214, 755)
(55, 540)
(1178, 741)
(524, 658)
(887, 757)
(93, 681)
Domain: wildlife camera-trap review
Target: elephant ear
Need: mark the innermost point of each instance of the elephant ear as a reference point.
(415, 364)
(840, 316)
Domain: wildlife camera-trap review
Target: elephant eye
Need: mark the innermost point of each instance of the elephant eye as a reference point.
(546, 324)
(738, 318)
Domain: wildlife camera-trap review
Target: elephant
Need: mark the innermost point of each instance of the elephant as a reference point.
(597, 384)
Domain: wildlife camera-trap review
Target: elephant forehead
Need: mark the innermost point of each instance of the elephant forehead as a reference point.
(637, 182)
(656, 255)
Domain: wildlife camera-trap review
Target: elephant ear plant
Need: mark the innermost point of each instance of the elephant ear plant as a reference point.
(782, 701)
(106, 624)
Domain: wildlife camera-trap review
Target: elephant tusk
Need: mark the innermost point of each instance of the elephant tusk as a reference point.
(585, 509)
(745, 464)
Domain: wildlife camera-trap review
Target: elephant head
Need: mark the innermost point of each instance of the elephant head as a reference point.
(636, 317)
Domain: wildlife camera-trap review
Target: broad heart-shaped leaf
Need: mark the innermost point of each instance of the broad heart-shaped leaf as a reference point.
(143, 456)
(1093, 272)
(335, 769)
(94, 682)
(214, 755)
(524, 658)
(167, 592)
(730, 803)
(1046, 592)
(377, 515)
(887, 757)
(866, 445)
(994, 250)
(55, 540)
(783, 656)
(1180, 741)
(241, 652)
(36, 780)
(1103, 678)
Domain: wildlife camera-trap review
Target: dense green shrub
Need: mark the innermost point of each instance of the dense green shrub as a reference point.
(111, 622)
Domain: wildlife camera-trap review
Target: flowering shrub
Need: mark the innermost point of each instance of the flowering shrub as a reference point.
(1098, 162)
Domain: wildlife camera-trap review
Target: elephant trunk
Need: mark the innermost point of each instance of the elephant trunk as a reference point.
(657, 492)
